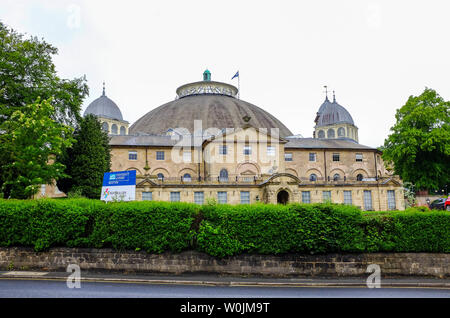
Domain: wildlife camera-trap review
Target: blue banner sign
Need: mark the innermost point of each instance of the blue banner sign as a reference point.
(119, 186)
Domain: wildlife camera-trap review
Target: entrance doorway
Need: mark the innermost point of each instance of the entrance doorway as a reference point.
(282, 197)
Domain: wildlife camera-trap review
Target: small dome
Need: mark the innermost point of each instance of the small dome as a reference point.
(331, 113)
(104, 107)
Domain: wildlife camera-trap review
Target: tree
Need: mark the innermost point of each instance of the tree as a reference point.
(27, 73)
(419, 145)
(87, 160)
(32, 139)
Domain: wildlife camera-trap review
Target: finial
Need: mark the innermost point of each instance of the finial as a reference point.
(206, 75)
(103, 88)
(334, 98)
(326, 92)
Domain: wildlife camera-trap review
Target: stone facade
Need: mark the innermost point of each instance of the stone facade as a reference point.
(251, 166)
(290, 265)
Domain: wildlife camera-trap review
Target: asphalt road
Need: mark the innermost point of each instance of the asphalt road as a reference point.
(15, 288)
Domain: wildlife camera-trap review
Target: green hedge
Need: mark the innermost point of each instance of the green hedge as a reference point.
(220, 230)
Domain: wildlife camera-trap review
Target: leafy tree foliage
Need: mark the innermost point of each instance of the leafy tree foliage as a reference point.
(87, 160)
(27, 73)
(419, 145)
(32, 139)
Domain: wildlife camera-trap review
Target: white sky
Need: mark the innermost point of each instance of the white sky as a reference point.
(374, 54)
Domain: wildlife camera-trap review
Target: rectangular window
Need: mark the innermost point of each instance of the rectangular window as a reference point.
(247, 150)
(245, 197)
(146, 196)
(222, 197)
(306, 197)
(288, 156)
(174, 196)
(326, 195)
(199, 197)
(187, 156)
(222, 150)
(160, 155)
(132, 155)
(312, 156)
(270, 151)
(359, 157)
(336, 157)
(367, 200)
(347, 197)
(391, 199)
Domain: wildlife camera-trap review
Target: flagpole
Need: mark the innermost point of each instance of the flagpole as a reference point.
(239, 85)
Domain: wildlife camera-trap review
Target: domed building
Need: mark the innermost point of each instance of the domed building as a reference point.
(209, 144)
(109, 115)
(334, 121)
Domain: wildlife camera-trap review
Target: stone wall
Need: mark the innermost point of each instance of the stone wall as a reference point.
(290, 265)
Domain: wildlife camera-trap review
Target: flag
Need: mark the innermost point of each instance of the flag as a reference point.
(236, 75)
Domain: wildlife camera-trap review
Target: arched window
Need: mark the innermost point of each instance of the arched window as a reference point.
(122, 130)
(359, 177)
(223, 176)
(160, 176)
(114, 129)
(330, 133)
(105, 126)
(187, 177)
(321, 134)
(336, 177)
(313, 177)
(341, 132)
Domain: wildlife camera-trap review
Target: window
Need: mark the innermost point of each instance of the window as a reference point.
(222, 197)
(336, 177)
(326, 195)
(312, 156)
(122, 130)
(42, 189)
(114, 129)
(336, 157)
(245, 197)
(330, 133)
(247, 150)
(174, 196)
(359, 177)
(341, 132)
(306, 197)
(391, 199)
(105, 126)
(160, 176)
(187, 157)
(199, 197)
(223, 176)
(288, 156)
(160, 155)
(367, 200)
(321, 134)
(187, 177)
(359, 157)
(146, 196)
(222, 150)
(312, 177)
(347, 197)
(270, 151)
(132, 155)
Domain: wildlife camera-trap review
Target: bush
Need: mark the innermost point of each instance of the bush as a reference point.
(218, 229)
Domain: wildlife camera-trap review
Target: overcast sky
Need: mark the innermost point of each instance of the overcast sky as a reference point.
(374, 54)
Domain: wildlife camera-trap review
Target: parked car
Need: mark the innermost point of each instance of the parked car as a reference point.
(447, 204)
(438, 204)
